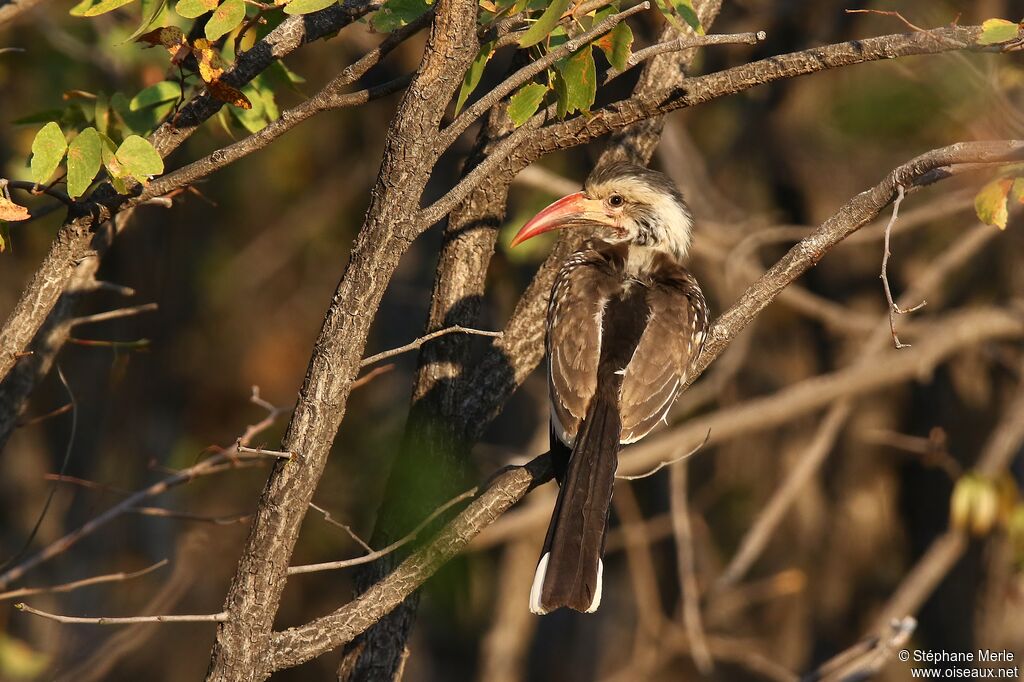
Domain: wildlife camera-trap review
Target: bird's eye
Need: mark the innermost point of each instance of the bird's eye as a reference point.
(616, 200)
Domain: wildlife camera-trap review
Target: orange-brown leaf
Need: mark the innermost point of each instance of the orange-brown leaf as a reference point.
(171, 38)
(11, 211)
(226, 93)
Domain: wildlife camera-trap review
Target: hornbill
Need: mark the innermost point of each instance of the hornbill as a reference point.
(625, 324)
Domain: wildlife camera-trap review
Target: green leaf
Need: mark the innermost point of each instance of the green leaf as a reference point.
(47, 151)
(164, 91)
(547, 21)
(139, 159)
(101, 113)
(84, 161)
(579, 78)
(104, 6)
(281, 76)
(673, 9)
(254, 119)
(152, 11)
(267, 99)
(108, 154)
(192, 9)
(990, 202)
(995, 31)
(397, 13)
(225, 19)
(473, 75)
(525, 102)
(616, 45)
(307, 6)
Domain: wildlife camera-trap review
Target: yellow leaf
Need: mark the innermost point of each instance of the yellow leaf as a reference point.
(990, 202)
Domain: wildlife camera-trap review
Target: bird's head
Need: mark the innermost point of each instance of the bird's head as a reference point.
(622, 203)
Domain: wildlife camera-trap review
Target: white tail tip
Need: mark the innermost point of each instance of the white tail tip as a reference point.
(600, 583)
(538, 585)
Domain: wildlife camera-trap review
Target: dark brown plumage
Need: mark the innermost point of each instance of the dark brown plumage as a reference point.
(625, 323)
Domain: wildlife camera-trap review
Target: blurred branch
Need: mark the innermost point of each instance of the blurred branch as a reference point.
(223, 461)
(1003, 446)
(77, 584)
(117, 314)
(647, 602)
(12, 9)
(866, 658)
(689, 589)
(769, 518)
(191, 560)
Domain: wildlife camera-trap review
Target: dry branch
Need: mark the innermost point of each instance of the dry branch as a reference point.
(127, 620)
(78, 584)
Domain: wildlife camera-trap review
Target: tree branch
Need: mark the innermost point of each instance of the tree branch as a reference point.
(129, 620)
(78, 584)
(532, 140)
(685, 43)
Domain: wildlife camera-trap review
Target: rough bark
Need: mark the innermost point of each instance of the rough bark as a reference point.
(240, 649)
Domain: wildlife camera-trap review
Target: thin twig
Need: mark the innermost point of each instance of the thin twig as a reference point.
(888, 13)
(227, 520)
(334, 522)
(35, 189)
(894, 309)
(77, 584)
(260, 452)
(53, 488)
(128, 620)
(413, 345)
(223, 461)
(371, 375)
(373, 556)
(56, 412)
(670, 462)
(685, 43)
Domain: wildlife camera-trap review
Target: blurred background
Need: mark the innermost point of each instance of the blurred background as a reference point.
(243, 269)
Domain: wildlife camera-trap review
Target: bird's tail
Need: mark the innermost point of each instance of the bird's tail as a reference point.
(570, 568)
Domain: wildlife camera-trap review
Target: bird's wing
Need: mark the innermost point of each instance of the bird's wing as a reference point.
(578, 298)
(667, 350)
